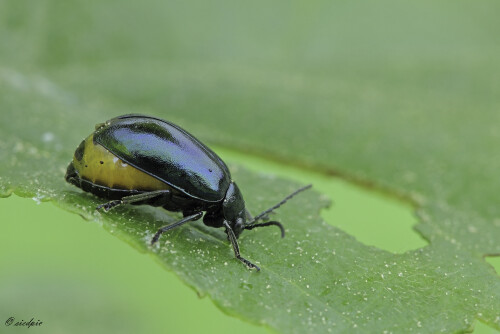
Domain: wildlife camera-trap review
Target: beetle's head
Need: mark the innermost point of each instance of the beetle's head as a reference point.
(238, 217)
(234, 209)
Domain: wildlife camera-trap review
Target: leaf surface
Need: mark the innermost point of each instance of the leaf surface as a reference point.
(404, 118)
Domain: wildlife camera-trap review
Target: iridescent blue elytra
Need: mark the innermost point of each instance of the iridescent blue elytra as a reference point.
(137, 159)
(168, 153)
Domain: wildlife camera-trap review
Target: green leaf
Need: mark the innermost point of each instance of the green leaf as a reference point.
(382, 103)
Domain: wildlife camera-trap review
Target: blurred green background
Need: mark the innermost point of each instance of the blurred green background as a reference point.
(240, 61)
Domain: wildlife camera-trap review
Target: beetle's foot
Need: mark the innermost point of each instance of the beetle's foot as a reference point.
(108, 206)
(249, 264)
(156, 237)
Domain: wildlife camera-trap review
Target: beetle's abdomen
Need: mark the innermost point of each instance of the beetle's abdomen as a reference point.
(94, 163)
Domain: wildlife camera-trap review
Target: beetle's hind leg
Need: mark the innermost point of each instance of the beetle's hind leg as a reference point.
(236, 247)
(134, 199)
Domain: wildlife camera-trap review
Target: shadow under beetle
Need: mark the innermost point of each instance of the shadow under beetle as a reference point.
(137, 159)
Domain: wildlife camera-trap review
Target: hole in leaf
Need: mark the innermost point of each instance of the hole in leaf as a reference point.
(372, 218)
(494, 261)
(482, 328)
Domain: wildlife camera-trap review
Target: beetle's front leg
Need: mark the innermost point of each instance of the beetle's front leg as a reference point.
(236, 248)
(134, 199)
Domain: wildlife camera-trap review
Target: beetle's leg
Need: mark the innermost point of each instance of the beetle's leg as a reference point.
(236, 248)
(275, 223)
(132, 199)
(264, 214)
(184, 220)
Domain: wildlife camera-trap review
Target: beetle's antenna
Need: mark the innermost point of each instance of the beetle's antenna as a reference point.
(252, 226)
(264, 213)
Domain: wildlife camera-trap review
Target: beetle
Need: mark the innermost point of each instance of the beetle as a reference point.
(138, 159)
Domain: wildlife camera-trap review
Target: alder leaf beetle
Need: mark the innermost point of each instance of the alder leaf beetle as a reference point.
(137, 159)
